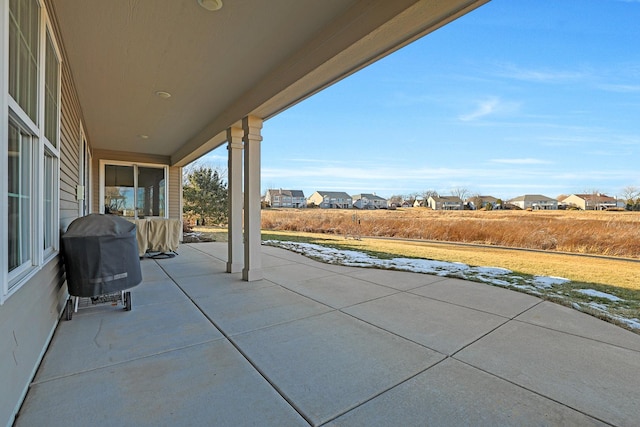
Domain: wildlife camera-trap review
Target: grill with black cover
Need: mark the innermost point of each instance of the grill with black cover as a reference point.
(100, 255)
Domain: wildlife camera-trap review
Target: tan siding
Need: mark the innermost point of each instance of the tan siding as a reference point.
(175, 192)
(27, 321)
(69, 144)
(29, 317)
(95, 184)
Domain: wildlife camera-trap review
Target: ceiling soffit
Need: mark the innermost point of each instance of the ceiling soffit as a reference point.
(251, 57)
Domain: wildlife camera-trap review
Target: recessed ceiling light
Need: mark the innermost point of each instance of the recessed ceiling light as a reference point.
(163, 95)
(143, 136)
(211, 5)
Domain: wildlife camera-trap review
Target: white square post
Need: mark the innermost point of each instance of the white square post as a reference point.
(234, 166)
(252, 240)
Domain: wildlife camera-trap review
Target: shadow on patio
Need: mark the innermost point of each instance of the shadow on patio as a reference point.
(315, 344)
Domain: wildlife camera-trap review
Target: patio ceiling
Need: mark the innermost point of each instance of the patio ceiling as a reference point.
(251, 57)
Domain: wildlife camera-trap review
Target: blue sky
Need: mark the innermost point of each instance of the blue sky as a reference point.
(517, 97)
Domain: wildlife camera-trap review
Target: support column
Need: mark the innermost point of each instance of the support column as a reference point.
(252, 253)
(234, 170)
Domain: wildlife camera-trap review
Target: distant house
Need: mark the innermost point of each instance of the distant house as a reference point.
(595, 201)
(285, 198)
(394, 202)
(535, 202)
(419, 202)
(369, 201)
(445, 203)
(331, 200)
(479, 202)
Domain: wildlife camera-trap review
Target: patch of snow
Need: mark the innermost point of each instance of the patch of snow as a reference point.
(597, 306)
(496, 271)
(632, 323)
(491, 275)
(598, 294)
(548, 282)
(526, 288)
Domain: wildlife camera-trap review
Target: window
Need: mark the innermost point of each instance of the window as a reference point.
(134, 191)
(20, 200)
(49, 201)
(30, 102)
(51, 89)
(119, 190)
(24, 25)
(151, 192)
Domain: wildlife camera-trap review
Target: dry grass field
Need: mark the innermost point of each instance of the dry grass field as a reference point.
(613, 234)
(608, 245)
(586, 232)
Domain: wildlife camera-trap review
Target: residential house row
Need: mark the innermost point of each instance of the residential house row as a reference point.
(279, 198)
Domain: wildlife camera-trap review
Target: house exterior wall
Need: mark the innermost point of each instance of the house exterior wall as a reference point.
(299, 202)
(433, 204)
(542, 204)
(285, 198)
(590, 201)
(29, 316)
(442, 203)
(279, 200)
(452, 206)
(368, 201)
(27, 321)
(575, 201)
(331, 200)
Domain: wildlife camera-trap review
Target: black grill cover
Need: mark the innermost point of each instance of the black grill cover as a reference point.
(100, 255)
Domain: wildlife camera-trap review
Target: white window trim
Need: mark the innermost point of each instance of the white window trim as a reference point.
(104, 162)
(48, 30)
(4, 141)
(85, 160)
(9, 108)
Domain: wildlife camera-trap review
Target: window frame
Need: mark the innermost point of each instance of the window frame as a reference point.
(135, 165)
(84, 193)
(43, 180)
(26, 265)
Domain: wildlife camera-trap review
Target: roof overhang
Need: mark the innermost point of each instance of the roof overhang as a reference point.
(249, 58)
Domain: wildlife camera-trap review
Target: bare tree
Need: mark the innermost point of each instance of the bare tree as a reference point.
(630, 194)
(396, 200)
(429, 193)
(594, 199)
(461, 192)
(201, 164)
(477, 201)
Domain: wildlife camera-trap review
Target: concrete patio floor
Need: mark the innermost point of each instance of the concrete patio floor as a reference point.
(318, 344)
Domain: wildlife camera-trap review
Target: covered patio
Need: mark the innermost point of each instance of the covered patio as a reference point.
(104, 102)
(122, 94)
(320, 344)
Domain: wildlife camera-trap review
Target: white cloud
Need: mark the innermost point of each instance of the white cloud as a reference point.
(490, 106)
(512, 71)
(620, 88)
(526, 161)
(483, 109)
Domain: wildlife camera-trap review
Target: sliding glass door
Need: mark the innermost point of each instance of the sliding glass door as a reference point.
(135, 191)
